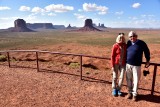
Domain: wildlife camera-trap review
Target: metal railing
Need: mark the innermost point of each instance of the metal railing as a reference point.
(80, 56)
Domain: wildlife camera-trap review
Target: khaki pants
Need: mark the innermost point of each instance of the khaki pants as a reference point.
(133, 74)
(121, 70)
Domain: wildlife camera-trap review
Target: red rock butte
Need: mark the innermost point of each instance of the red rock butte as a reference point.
(88, 26)
(20, 26)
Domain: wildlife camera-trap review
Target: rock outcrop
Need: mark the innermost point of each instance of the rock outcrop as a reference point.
(88, 26)
(20, 26)
(68, 27)
(101, 26)
(59, 26)
(40, 25)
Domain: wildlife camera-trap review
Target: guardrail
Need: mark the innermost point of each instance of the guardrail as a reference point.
(80, 55)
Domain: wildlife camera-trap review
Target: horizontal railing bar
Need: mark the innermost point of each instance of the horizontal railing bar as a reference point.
(74, 54)
(56, 53)
(20, 51)
(59, 53)
(3, 51)
(158, 64)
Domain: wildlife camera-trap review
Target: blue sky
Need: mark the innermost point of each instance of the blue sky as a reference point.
(111, 13)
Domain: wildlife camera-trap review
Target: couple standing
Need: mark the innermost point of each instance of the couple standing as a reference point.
(128, 58)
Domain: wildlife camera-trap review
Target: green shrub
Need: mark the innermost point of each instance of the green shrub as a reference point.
(3, 58)
(87, 72)
(74, 65)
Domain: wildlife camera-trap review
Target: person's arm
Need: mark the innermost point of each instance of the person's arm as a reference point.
(147, 55)
(113, 53)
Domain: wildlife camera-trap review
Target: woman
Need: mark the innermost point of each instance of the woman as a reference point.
(118, 63)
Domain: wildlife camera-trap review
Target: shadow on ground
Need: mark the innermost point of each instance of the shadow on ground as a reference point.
(149, 98)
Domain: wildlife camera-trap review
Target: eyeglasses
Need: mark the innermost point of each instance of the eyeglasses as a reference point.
(132, 36)
(121, 33)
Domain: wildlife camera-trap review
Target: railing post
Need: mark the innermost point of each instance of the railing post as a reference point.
(8, 57)
(81, 66)
(154, 79)
(37, 61)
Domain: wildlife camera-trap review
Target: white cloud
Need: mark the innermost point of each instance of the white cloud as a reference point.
(7, 22)
(136, 5)
(102, 8)
(31, 17)
(58, 8)
(143, 15)
(4, 18)
(147, 16)
(24, 8)
(80, 10)
(145, 23)
(79, 16)
(133, 18)
(119, 13)
(89, 7)
(8, 18)
(4, 8)
(94, 7)
(102, 13)
(51, 14)
(96, 21)
(151, 15)
(37, 10)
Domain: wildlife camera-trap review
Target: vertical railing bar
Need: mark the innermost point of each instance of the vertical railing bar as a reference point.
(37, 61)
(81, 66)
(154, 79)
(8, 57)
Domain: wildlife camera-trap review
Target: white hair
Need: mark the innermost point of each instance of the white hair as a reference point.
(132, 33)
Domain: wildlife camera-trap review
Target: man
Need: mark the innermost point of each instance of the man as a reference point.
(135, 50)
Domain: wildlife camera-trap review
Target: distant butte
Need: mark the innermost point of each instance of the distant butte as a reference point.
(88, 26)
(40, 25)
(20, 26)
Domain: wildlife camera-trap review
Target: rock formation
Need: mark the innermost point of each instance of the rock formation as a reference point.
(59, 26)
(88, 26)
(68, 27)
(71, 27)
(101, 26)
(20, 26)
(40, 25)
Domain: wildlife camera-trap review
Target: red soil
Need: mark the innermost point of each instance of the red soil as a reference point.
(59, 85)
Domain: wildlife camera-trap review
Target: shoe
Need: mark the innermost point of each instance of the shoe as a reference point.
(114, 92)
(134, 98)
(129, 96)
(119, 93)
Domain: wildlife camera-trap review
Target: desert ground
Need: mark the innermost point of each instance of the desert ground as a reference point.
(58, 82)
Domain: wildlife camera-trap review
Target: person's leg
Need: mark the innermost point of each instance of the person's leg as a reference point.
(121, 78)
(129, 77)
(136, 78)
(114, 80)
